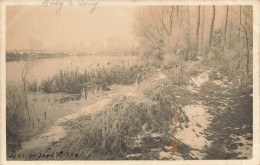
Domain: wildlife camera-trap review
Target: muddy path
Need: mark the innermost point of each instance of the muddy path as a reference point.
(231, 128)
(220, 121)
(224, 129)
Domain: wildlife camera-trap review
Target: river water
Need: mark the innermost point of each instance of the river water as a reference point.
(44, 68)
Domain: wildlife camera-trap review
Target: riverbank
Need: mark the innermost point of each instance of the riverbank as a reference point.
(56, 131)
(210, 105)
(161, 115)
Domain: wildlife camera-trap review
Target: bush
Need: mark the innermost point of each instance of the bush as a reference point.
(230, 61)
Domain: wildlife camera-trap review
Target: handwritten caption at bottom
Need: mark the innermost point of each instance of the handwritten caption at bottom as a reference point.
(80, 3)
(33, 156)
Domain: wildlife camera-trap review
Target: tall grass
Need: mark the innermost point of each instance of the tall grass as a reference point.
(15, 104)
(21, 121)
(16, 116)
(73, 81)
(32, 86)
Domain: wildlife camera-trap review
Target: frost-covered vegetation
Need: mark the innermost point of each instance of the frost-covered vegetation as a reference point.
(206, 67)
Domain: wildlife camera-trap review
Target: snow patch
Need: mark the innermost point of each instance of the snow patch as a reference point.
(156, 149)
(201, 78)
(53, 135)
(220, 83)
(246, 149)
(191, 89)
(199, 121)
(169, 155)
(133, 155)
(154, 135)
(197, 154)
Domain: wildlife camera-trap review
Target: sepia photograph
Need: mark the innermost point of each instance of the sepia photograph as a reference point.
(88, 81)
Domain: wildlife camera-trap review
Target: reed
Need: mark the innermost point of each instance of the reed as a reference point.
(73, 81)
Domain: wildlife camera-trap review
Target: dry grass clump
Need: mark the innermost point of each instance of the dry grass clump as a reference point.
(159, 88)
(111, 131)
(177, 76)
(193, 68)
(180, 72)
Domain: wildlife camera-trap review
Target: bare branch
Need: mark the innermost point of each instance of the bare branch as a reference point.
(171, 19)
(149, 38)
(162, 21)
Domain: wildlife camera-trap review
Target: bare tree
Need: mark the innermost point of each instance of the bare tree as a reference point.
(212, 25)
(188, 31)
(179, 15)
(202, 31)
(157, 27)
(25, 72)
(197, 31)
(225, 39)
(239, 23)
(248, 33)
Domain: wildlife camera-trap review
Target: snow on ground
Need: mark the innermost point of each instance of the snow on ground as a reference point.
(98, 106)
(133, 155)
(169, 155)
(201, 78)
(197, 154)
(57, 132)
(220, 83)
(191, 89)
(54, 134)
(244, 150)
(193, 134)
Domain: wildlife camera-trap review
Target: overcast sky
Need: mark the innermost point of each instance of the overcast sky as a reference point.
(74, 29)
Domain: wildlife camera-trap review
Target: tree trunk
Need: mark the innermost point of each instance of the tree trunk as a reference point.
(202, 31)
(188, 31)
(197, 32)
(247, 47)
(247, 56)
(225, 39)
(212, 26)
(181, 16)
(26, 100)
(239, 24)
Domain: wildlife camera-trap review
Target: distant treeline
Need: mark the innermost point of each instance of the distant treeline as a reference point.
(18, 56)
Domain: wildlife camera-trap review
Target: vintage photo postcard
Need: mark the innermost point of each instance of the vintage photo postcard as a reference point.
(89, 81)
